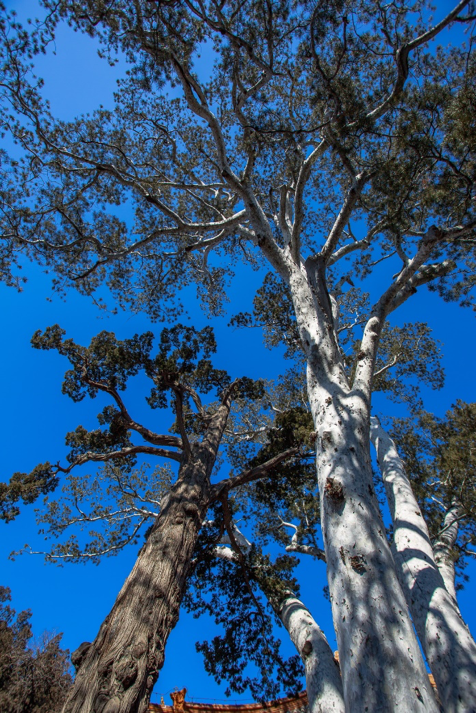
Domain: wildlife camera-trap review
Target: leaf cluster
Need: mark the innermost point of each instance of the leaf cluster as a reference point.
(246, 653)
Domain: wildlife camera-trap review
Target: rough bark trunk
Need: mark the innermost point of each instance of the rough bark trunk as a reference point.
(449, 648)
(444, 545)
(381, 664)
(323, 680)
(119, 669)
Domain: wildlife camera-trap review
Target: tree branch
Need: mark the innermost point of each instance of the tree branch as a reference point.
(402, 62)
(114, 455)
(260, 471)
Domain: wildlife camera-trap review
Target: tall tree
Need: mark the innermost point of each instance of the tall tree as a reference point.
(244, 594)
(119, 669)
(34, 678)
(326, 140)
(449, 647)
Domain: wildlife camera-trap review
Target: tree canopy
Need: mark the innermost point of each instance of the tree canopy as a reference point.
(328, 145)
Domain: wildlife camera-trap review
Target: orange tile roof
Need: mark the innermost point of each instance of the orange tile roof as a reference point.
(180, 705)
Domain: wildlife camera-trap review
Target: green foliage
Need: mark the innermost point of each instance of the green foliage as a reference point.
(246, 653)
(273, 311)
(106, 360)
(33, 678)
(26, 487)
(178, 361)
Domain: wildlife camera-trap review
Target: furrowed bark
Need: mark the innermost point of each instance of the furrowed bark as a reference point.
(120, 668)
(444, 545)
(381, 664)
(323, 680)
(449, 648)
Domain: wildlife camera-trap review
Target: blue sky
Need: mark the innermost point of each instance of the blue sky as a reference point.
(35, 416)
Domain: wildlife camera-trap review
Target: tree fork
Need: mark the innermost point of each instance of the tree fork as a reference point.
(381, 664)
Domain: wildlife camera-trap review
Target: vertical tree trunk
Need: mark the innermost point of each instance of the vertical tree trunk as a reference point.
(121, 666)
(323, 680)
(444, 545)
(381, 664)
(447, 643)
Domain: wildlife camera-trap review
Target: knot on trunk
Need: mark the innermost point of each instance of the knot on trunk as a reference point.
(113, 705)
(307, 648)
(139, 649)
(77, 657)
(334, 490)
(357, 562)
(126, 672)
(192, 510)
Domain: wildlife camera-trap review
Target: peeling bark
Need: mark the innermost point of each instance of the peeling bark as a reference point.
(449, 648)
(381, 664)
(323, 681)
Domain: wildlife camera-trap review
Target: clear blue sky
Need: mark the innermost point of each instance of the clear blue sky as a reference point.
(35, 416)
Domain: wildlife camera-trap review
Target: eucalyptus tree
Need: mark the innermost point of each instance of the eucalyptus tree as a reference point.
(119, 669)
(326, 140)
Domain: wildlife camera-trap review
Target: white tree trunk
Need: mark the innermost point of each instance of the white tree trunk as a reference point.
(323, 680)
(447, 643)
(381, 663)
(444, 545)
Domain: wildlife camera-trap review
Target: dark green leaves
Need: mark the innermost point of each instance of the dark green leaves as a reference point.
(26, 487)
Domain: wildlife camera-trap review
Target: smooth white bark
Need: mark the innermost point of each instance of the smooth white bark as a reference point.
(449, 648)
(444, 545)
(323, 680)
(381, 663)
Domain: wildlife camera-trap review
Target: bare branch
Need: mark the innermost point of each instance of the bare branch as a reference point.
(117, 455)
(344, 215)
(260, 471)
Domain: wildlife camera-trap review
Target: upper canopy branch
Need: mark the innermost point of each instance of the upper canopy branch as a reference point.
(304, 173)
(413, 274)
(402, 62)
(117, 455)
(344, 215)
(256, 473)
